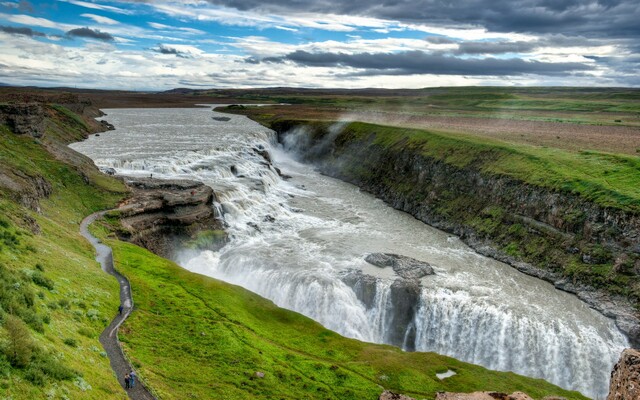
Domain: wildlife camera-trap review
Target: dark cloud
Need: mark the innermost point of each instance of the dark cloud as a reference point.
(418, 62)
(495, 47)
(592, 18)
(20, 31)
(90, 34)
(439, 40)
(162, 49)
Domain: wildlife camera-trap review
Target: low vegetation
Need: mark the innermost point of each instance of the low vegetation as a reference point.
(54, 298)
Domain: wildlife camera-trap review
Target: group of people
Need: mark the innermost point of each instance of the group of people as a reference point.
(130, 380)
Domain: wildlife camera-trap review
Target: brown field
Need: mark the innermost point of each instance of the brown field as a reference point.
(568, 136)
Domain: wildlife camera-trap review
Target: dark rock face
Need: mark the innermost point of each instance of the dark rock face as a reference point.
(625, 377)
(405, 267)
(404, 294)
(24, 119)
(162, 213)
(480, 208)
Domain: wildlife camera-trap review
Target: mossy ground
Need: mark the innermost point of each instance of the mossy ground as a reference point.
(195, 337)
(55, 285)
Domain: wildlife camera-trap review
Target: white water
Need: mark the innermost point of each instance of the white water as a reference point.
(475, 308)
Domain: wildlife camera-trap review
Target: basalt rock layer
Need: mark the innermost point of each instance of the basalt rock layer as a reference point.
(162, 214)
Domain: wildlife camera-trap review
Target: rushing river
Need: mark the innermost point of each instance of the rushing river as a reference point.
(292, 241)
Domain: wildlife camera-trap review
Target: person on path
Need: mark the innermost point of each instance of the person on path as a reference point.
(132, 379)
(120, 308)
(127, 381)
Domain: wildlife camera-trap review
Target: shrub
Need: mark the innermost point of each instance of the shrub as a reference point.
(70, 342)
(20, 346)
(35, 376)
(42, 280)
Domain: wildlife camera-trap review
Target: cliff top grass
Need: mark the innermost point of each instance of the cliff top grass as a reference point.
(610, 180)
(196, 337)
(52, 291)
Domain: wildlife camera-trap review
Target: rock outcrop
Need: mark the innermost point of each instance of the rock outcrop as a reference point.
(406, 267)
(537, 230)
(24, 118)
(485, 396)
(625, 377)
(162, 214)
(403, 298)
(389, 395)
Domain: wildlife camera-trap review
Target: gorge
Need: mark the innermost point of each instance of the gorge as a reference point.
(302, 242)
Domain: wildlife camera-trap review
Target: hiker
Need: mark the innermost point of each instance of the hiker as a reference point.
(132, 379)
(127, 381)
(120, 308)
(151, 176)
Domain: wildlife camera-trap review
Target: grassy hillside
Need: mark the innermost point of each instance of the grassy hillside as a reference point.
(54, 298)
(199, 338)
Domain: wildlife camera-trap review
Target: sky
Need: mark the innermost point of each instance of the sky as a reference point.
(165, 44)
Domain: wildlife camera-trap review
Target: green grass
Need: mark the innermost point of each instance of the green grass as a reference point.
(50, 278)
(611, 180)
(195, 337)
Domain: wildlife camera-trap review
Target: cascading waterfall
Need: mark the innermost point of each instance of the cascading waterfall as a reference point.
(301, 242)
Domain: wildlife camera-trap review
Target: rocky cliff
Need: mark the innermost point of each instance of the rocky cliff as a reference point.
(576, 244)
(164, 214)
(625, 377)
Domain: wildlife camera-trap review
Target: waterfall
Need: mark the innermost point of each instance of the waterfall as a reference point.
(301, 242)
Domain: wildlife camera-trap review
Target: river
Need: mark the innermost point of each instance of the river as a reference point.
(292, 241)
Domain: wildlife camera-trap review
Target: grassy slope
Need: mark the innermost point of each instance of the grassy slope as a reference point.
(195, 337)
(80, 298)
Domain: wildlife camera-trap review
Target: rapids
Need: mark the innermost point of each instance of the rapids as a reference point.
(293, 240)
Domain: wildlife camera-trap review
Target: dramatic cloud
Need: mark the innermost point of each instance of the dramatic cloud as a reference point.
(89, 33)
(612, 18)
(495, 47)
(182, 51)
(20, 31)
(418, 62)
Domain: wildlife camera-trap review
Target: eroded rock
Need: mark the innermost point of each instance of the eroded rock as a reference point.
(625, 377)
(163, 213)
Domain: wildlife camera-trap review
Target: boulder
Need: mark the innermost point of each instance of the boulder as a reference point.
(625, 377)
(405, 267)
(389, 395)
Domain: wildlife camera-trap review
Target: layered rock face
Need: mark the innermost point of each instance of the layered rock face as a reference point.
(545, 230)
(625, 377)
(163, 213)
(24, 118)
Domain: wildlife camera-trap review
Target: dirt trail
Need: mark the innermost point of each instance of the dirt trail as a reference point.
(109, 337)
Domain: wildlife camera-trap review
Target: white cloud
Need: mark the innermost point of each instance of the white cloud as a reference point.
(102, 7)
(100, 19)
(156, 25)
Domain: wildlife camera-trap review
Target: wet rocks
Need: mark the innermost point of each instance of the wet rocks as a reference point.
(221, 119)
(625, 377)
(405, 267)
(402, 299)
(163, 213)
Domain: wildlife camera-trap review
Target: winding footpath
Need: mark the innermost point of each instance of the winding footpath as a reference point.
(109, 337)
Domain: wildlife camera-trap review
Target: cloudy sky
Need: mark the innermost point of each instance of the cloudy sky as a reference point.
(163, 44)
